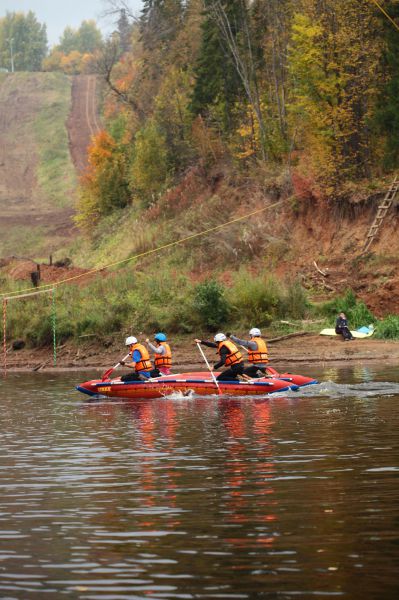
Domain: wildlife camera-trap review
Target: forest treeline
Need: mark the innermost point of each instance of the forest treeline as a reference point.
(306, 85)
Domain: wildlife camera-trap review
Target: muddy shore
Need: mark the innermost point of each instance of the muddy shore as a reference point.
(307, 349)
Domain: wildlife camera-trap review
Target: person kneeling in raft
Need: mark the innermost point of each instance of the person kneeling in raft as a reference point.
(162, 354)
(257, 353)
(140, 361)
(230, 357)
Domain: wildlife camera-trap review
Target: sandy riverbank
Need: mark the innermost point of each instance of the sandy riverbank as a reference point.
(306, 349)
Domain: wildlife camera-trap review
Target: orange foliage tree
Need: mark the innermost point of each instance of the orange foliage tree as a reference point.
(104, 186)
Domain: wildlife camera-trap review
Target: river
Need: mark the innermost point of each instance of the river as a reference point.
(200, 498)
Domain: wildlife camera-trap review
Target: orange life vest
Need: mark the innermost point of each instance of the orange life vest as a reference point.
(164, 360)
(234, 355)
(258, 356)
(144, 364)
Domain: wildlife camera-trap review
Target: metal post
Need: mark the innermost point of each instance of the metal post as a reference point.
(10, 41)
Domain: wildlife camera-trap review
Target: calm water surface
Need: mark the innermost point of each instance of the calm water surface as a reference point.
(287, 497)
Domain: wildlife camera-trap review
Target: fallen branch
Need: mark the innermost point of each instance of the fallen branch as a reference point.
(49, 359)
(289, 335)
(324, 273)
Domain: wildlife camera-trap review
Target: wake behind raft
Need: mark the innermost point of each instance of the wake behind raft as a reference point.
(198, 382)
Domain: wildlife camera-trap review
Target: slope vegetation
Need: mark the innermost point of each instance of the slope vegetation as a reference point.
(37, 177)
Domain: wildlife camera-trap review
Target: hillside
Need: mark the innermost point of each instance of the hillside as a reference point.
(37, 174)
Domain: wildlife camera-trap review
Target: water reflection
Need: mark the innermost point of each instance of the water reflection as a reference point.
(198, 497)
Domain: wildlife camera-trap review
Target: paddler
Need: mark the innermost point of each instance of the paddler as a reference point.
(230, 357)
(257, 352)
(162, 354)
(140, 361)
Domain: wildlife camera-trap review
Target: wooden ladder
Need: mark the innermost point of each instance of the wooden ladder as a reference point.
(381, 214)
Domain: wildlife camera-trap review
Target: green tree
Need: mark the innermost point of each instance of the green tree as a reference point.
(160, 22)
(25, 38)
(85, 40)
(149, 169)
(216, 79)
(89, 37)
(124, 31)
(68, 41)
(173, 115)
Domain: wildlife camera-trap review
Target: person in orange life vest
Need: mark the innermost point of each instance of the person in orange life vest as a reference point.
(230, 357)
(257, 353)
(162, 354)
(141, 363)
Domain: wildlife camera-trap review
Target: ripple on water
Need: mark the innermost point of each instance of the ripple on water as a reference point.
(199, 497)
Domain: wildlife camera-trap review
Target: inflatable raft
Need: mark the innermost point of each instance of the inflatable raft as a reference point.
(199, 383)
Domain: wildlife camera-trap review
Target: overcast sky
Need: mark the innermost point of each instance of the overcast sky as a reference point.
(57, 14)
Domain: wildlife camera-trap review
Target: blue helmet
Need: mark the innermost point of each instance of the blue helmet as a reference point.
(160, 337)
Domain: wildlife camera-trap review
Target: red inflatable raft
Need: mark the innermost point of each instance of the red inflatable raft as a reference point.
(199, 383)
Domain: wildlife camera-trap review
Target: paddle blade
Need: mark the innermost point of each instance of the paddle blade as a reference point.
(107, 374)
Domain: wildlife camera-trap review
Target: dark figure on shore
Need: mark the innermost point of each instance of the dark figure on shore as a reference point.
(342, 328)
(230, 357)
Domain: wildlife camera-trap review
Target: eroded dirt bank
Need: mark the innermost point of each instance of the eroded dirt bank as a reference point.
(308, 349)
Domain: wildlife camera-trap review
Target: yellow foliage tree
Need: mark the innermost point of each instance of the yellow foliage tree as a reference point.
(333, 62)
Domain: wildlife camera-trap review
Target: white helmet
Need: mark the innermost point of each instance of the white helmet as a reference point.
(130, 340)
(255, 332)
(219, 337)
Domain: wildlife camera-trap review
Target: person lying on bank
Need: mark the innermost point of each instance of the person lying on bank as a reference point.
(257, 352)
(162, 354)
(140, 362)
(230, 357)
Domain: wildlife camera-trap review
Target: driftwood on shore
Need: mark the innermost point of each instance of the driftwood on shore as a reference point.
(289, 335)
(49, 359)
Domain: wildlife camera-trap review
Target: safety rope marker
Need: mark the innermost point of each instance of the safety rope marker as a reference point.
(53, 319)
(53, 322)
(4, 335)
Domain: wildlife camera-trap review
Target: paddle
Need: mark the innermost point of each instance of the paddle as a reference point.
(108, 373)
(211, 372)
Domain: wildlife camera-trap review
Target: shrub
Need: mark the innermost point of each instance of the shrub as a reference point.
(295, 302)
(210, 304)
(256, 299)
(356, 311)
(388, 329)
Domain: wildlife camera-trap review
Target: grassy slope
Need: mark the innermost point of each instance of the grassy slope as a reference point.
(55, 173)
(38, 187)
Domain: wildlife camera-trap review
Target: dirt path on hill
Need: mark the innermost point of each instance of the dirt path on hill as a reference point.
(83, 122)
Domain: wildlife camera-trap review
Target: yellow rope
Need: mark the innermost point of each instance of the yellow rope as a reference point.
(147, 252)
(384, 12)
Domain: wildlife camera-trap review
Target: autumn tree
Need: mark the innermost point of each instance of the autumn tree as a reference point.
(333, 61)
(387, 113)
(104, 187)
